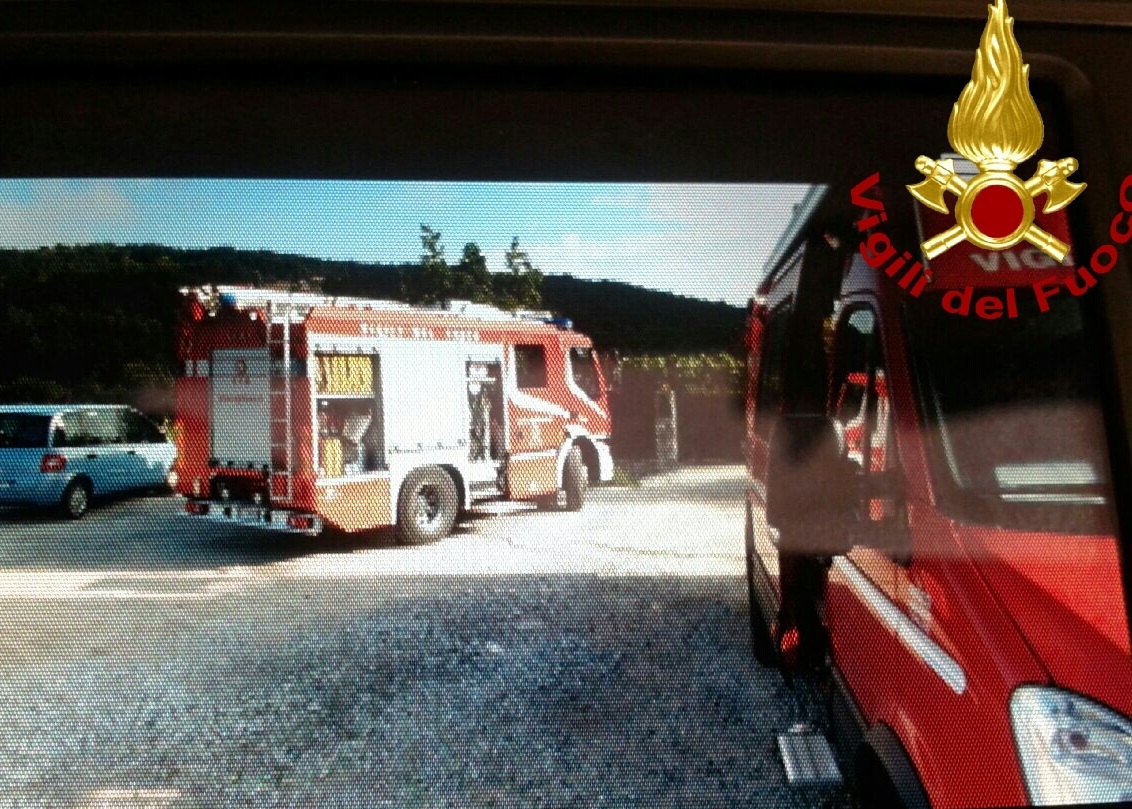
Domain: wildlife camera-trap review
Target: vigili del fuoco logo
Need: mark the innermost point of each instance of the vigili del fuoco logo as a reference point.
(995, 125)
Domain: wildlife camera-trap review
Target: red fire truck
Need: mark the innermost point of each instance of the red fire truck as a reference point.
(299, 411)
(960, 593)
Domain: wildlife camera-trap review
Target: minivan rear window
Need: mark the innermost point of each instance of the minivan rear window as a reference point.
(23, 431)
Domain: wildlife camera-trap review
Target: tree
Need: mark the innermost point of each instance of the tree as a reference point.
(521, 286)
(435, 282)
(471, 280)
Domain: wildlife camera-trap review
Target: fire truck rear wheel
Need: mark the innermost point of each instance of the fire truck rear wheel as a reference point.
(575, 479)
(427, 506)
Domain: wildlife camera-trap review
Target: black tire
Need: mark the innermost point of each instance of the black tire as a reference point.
(427, 506)
(548, 502)
(885, 776)
(874, 789)
(575, 480)
(762, 643)
(75, 502)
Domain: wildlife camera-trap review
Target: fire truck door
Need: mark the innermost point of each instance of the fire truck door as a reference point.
(862, 583)
(485, 419)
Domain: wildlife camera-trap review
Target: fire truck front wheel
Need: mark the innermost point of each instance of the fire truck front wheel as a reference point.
(427, 506)
(575, 479)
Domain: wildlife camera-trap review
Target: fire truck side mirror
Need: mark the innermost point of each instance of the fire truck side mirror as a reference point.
(812, 488)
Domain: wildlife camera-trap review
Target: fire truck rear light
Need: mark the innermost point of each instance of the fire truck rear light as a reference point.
(52, 463)
(193, 507)
(304, 522)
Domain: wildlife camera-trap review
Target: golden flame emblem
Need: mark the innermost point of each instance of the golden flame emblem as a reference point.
(996, 125)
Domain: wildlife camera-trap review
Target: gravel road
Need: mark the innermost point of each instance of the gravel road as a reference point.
(589, 659)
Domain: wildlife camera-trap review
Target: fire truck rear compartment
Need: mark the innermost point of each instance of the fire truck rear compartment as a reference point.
(239, 488)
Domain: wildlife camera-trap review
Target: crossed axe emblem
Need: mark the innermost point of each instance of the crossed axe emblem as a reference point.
(1050, 179)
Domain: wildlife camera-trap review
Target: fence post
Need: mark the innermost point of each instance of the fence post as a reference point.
(667, 449)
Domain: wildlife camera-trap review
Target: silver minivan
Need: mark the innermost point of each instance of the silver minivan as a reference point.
(67, 455)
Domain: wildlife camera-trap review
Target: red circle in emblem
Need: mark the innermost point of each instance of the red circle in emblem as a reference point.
(997, 211)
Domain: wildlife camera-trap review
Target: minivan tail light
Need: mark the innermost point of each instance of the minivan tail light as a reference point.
(303, 522)
(52, 463)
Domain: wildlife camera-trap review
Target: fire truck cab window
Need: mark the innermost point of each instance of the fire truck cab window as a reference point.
(584, 370)
(770, 376)
(530, 366)
(863, 414)
(350, 432)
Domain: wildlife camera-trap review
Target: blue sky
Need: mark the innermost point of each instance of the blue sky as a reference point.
(706, 241)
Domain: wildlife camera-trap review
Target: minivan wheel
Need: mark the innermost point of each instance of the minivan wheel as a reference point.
(75, 501)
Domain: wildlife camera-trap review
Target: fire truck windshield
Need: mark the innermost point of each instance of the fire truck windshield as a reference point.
(1013, 412)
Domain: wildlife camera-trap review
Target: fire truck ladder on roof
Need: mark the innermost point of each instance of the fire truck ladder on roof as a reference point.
(299, 303)
(282, 430)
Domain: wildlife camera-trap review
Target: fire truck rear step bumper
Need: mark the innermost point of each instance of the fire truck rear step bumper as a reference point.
(808, 758)
(257, 517)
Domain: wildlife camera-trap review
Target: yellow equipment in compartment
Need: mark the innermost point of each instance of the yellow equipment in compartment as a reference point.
(330, 450)
(344, 374)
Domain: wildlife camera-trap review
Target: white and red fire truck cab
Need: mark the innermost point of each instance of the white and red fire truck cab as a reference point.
(298, 411)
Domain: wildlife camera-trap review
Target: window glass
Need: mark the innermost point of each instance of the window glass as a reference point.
(23, 431)
(863, 415)
(103, 426)
(991, 391)
(530, 366)
(140, 430)
(71, 431)
(584, 369)
(770, 375)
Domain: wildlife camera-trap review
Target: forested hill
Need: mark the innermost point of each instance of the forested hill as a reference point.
(98, 322)
(633, 319)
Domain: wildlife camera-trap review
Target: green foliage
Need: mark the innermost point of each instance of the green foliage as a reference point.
(471, 279)
(31, 389)
(521, 286)
(703, 374)
(636, 320)
(99, 322)
(435, 280)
